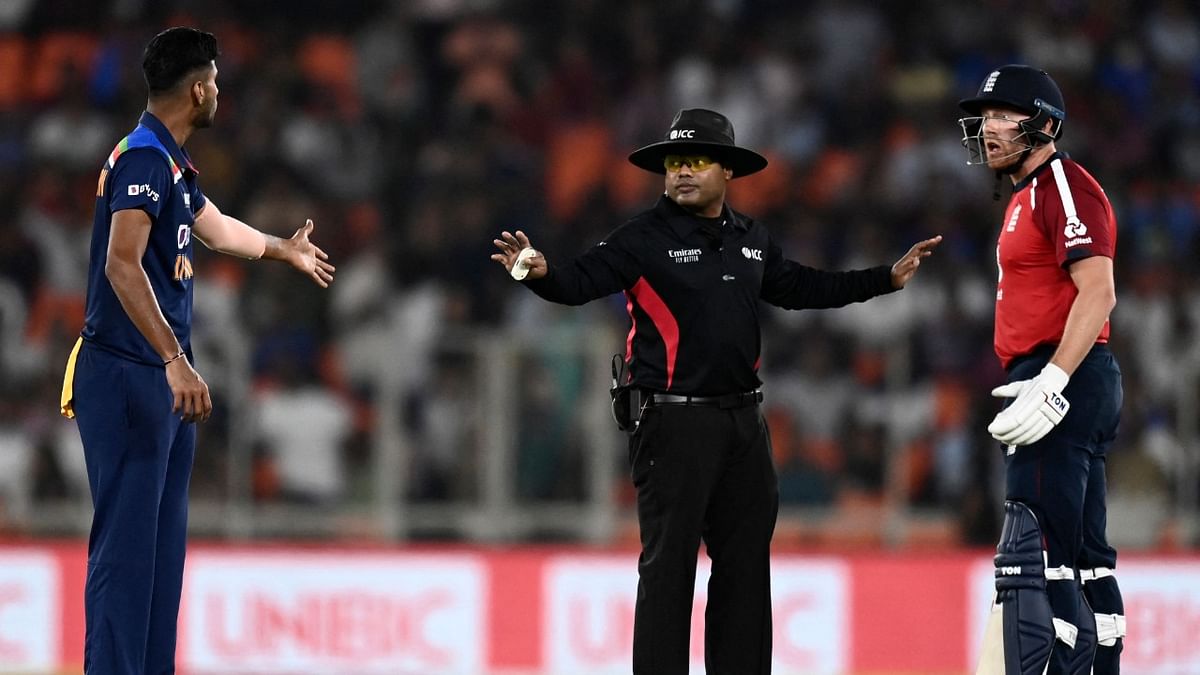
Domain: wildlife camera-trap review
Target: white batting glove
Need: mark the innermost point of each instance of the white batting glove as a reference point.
(1039, 405)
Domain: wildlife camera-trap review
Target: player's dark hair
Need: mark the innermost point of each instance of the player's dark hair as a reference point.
(174, 53)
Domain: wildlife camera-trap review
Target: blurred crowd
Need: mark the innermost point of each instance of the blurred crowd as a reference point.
(413, 132)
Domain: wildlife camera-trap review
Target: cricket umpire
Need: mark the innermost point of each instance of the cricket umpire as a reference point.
(693, 271)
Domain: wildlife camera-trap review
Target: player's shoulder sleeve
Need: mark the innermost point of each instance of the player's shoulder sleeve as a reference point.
(195, 196)
(140, 179)
(198, 198)
(1076, 214)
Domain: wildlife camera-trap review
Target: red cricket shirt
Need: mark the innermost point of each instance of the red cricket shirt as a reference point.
(1057, 215)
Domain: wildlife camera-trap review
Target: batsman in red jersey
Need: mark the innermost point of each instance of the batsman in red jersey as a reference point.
(1058, 608)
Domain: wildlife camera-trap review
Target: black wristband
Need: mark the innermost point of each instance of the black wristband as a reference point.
(177, 356)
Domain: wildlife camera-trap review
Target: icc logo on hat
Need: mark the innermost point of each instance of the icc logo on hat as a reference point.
(703, 132)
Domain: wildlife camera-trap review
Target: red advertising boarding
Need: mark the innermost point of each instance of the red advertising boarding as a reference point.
(458, 610)
(334, 613)
(30, 607)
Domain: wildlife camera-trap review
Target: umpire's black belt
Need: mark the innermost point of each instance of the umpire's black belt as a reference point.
(741, 400)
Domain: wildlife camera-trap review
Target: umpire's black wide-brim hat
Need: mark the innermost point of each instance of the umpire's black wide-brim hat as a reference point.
(698, 131)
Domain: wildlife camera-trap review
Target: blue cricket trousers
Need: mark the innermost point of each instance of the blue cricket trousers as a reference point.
(1063, 479)
(139, 461)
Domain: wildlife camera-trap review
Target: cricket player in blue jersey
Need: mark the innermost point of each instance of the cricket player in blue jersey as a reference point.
(130, 383)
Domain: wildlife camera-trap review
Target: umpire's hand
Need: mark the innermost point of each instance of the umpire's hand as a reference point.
(906, 267)
(510, 247)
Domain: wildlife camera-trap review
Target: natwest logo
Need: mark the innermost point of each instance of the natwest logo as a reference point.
(1074, 228)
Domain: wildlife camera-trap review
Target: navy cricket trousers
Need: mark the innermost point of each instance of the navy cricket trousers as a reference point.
(139, 461)
(1062, 478)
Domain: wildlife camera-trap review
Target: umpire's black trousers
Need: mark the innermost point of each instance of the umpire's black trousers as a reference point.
(704, 472)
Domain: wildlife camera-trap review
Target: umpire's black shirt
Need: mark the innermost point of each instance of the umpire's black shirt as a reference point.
(692, 294)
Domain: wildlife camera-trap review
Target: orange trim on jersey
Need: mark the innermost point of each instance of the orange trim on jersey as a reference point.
(183, 267)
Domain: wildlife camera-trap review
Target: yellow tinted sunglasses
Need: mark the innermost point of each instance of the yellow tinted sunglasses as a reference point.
(697, 162)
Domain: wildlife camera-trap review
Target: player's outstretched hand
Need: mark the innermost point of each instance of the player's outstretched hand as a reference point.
(510, 249)
(906, 267)
(308, 257)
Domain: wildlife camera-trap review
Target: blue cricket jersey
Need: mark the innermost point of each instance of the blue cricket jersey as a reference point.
(146, 171)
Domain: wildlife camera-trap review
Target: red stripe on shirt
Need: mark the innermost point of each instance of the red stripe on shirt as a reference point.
(663, 319)
(632, 327)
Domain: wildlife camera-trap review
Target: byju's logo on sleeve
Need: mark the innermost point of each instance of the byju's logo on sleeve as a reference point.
(135, 190)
